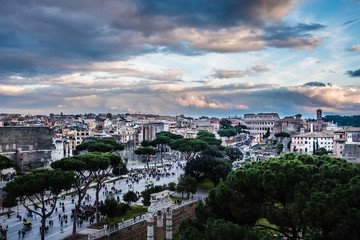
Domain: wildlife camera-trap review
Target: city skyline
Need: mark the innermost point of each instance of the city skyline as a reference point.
(213, 58)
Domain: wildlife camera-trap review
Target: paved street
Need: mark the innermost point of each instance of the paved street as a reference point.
(58, 231)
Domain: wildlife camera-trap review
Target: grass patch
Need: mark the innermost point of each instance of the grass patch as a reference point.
(206, 184)
(135, 211)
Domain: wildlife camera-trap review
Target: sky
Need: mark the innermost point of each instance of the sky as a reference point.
(194, 57)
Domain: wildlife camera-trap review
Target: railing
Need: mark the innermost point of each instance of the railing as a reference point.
(116, 227)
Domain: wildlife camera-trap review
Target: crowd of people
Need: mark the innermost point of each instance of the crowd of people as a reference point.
(88, 210)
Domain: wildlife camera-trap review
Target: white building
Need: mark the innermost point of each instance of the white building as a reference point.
(305, 143)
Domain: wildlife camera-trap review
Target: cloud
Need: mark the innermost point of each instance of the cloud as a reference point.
(226, 73)
(217, 13)
(355, 73)
(45, 37)
(350, 21)
(209, 99)
(328, 71)
(315, 84)
(330, 96)
(354, 48)
(298, 36)
(205, 102)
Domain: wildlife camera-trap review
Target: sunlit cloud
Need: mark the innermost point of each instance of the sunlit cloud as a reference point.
(354, 48)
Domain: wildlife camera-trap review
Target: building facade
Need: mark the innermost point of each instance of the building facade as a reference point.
(30, 147)
(258, 124)
(311, 141)
(347, 144)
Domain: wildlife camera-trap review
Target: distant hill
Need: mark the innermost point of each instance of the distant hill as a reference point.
(353, 121)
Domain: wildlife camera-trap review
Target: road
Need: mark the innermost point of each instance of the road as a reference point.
(60, 232)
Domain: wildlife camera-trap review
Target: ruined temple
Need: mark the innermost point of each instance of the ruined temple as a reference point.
(30, 147)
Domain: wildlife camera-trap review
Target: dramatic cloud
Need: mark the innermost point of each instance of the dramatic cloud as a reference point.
(330, 96)
(355, 73)
(298, 36)
(177, 56)
(43, 37)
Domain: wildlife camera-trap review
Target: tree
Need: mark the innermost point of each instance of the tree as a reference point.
(172, 186)
(146, 143)
(147, 192)
(234, 154)
(321, 151)
(110, 163)
(240, 128)
(189, 147)
(186, 184)
(38, 187)
(84, 168)
(209, 138)
(213, 151)
(227, 133)
(101, 145)
(130, 196)
(293, 196)
(208, 167)
(6, 162)
(111, 208)
(161, 142)
(145, 152)
(282, 135)
(169, 135)
(267, 134)
(279, 148)
(225, 124)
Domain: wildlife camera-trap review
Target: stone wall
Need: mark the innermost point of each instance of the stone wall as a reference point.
(351, 152)
(138, 231)
(30, 147)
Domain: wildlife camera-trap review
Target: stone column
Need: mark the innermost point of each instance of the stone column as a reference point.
(160, 219)
(169, 223)
(150, 227)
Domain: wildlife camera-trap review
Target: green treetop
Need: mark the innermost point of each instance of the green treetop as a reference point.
(189, 147)
(293, 196)
(6, 162)
(38, 187)
(101, 145)
(145, 152)
(209, 138)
